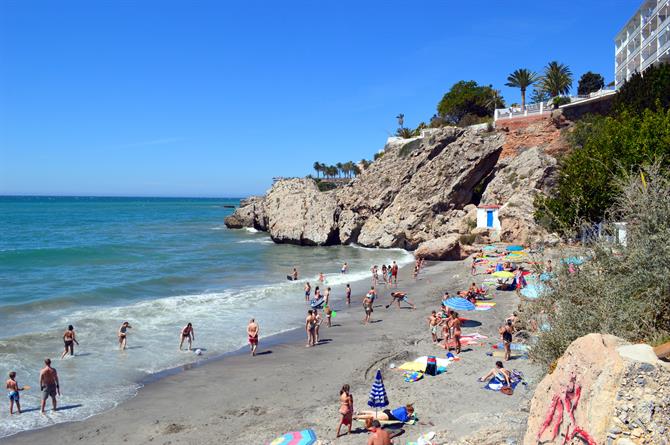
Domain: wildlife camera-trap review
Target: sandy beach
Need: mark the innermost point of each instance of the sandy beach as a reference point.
(243, 400)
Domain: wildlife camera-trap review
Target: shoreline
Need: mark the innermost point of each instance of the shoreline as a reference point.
(210, 390)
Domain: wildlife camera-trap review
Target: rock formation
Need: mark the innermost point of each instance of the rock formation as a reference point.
(605, 389)
(419, 193)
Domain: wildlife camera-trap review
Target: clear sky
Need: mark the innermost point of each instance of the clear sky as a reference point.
(214, 98)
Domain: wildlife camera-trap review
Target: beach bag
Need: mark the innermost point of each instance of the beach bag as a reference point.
(507, 390)
(431, 365)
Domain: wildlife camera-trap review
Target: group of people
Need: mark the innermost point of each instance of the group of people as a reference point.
(447, 321)
(49, 386)
(386, 274)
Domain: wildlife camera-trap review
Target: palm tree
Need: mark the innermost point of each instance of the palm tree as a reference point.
(317, 168)
(340, 169)
(401, 120)
(522, 79)
(557, 79)
(495, 100)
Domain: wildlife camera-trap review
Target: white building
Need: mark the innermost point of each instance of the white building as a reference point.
(487, 217)
(643, 41)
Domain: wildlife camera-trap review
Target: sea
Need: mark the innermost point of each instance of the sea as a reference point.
(157, 263)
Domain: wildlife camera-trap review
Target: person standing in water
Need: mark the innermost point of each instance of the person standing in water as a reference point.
(347, 292)
(13, 390)
(123, 334)
(187, 333)
(252, 332)
(69, 338)
(308, 290)
(345, 268)
(322, 277)
(49, 385)
(294, 275)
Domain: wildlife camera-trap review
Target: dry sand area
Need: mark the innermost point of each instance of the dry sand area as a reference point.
(250, 400)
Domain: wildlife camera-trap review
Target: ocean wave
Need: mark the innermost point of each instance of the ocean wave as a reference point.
(251, 230)
(256, 241)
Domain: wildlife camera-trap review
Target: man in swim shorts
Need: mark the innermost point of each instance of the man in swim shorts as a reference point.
(252, 331)
(433, 325)
(397, 297)
(394, 273)
(49, 385)
(308, 291)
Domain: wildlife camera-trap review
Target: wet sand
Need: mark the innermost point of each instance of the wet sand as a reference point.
(250, 400)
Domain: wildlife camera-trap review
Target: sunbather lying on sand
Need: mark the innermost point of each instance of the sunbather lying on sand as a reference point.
(401, 414)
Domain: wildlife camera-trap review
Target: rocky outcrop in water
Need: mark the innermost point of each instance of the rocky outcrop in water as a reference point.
(420, 190)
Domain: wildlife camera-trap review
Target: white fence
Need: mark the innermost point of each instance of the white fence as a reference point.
(536, 109)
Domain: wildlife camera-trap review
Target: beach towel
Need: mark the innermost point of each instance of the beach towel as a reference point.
(499, 353)
(413, 376)
(413, 366)
(411, 421)
(484, 306)
(496, 385)
(514, 347)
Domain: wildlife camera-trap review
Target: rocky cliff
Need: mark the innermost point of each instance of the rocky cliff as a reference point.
(421, 190)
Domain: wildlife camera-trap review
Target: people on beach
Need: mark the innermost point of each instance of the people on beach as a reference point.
(347, 294)
(345, 268)
(49, 385)
(322, 277)
(394, 273)
(550, 267)
(455, 329)
(346, 409)
(187, 333)
(378, 436)
(400, 414)
(252, 332)
(13, 390)
(318, 320)
(375, 274)
(294, 275)
(385, 274)
(473, 266)
(433, 325)
(69, 338)
(499, 372)
(506, 332)
(326, 307)
(310, 328)
(308, 291)
(397, 297)
(123, 335)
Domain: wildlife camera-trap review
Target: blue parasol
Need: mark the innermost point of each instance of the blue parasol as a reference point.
(459, 304)
(378, 398)
(514, 248)
(489, 247)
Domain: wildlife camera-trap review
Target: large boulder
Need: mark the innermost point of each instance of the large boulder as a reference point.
(624, 395)
(298, 213)
(250, 213)
(446, 248)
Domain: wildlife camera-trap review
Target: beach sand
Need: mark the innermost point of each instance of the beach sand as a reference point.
(250, 400)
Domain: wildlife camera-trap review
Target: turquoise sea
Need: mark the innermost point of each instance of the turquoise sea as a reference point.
(155, 262)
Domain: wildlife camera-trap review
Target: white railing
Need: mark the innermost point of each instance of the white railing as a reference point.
(540, 108)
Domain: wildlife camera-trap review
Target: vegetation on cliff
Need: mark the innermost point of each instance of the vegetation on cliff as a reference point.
(623, 290)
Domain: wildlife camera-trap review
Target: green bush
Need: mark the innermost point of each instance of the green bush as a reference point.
(467, 97)
(560, 100)
(325, 186)
(647, 91)
(621, 290)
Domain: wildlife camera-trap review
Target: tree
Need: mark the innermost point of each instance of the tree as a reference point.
(590, 83)
(317, 167)
(522, 79)
(539, 95)
(557, 79)
(648, 90)
(401, 120)
(467, 97)
(339, 168)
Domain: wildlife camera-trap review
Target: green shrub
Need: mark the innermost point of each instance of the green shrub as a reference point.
(647, 91)
(621, 290)
(560, 100)
(324, 186)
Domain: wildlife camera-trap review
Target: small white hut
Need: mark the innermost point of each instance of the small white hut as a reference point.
(487, 216)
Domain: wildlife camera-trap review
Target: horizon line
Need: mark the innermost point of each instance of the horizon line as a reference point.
(3, 195)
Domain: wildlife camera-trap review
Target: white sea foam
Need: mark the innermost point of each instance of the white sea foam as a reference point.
(251, 230)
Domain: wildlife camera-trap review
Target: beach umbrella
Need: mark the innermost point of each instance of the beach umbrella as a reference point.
(514, 248)
(503, 274)
(304, 437)
(489, 248)
(378, 398)
(459, 304)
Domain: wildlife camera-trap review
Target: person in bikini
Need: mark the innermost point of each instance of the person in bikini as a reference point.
(123, 334)
(347, 291)
(49, 385)
(13, 390)
(346, 409)
(308, 290)
(367, 307)
(252, 332)
(455, 327)
(310, 326)
(69, 338)
(499, 372)
(506, 332)
(318, 320)
(187, 333)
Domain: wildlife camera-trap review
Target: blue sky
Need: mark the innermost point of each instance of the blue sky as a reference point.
(214, 98)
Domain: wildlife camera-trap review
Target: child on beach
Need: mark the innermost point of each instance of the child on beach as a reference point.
(13, 389)
(322, 278)
(433, 324)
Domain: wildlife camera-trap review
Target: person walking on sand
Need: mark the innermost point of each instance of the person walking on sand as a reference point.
(123, 335)
(455, 327)
(308, 291)
(346, 409)
(13, 390)
(310, 326)
(252, 332)
(187, 333)
(49, 385)
(433, 323)
(506, 332)
(69, 338)
(367, 307)
(347, 292)
(394, 273)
